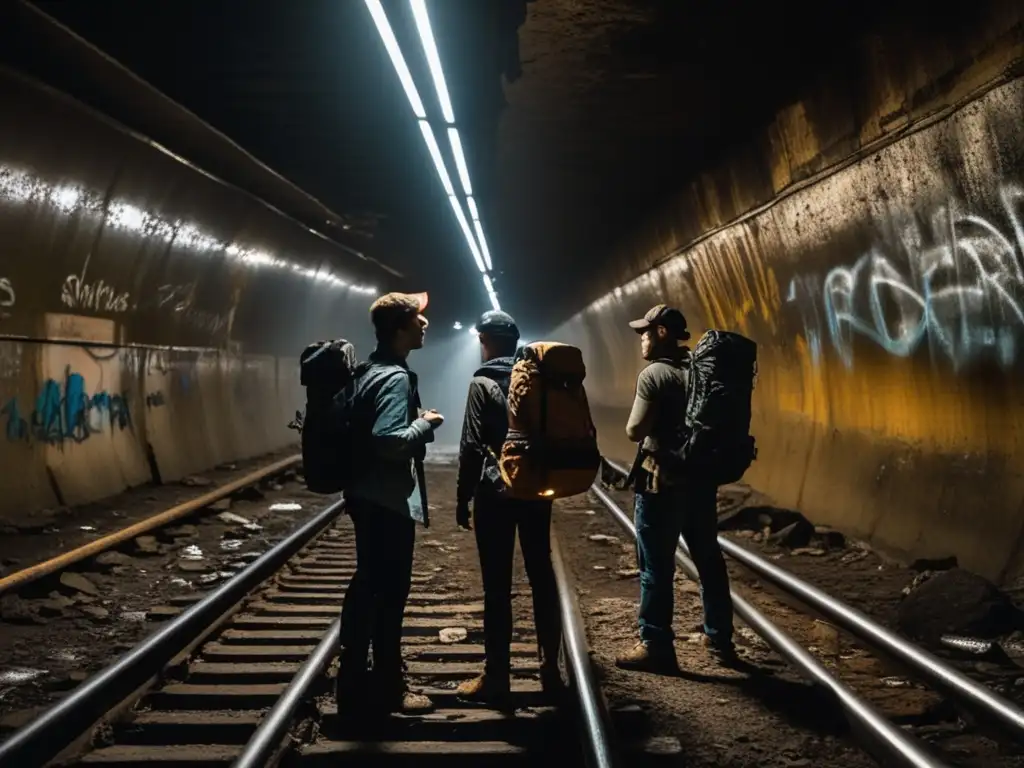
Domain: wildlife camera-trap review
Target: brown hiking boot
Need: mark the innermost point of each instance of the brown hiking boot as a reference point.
(724, 654)
(649, 658)
(402, 700)
(486, 689)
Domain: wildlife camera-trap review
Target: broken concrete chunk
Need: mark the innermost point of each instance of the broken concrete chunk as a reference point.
(957, 602)
(79, 583)
(95, 612)
(113, 558)
(453, 634)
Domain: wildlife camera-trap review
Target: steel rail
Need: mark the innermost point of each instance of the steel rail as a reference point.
(59, 726)
(598, 748)
(931, 669)
(887, 743)
(39, 570)
(271, 732)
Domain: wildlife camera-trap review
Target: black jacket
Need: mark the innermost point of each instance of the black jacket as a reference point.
(483, 430)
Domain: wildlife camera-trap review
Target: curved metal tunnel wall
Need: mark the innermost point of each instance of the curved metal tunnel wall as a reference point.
(150, 316)
(886, 294)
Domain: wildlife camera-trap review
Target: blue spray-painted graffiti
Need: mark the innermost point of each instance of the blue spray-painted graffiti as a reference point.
(66, 412)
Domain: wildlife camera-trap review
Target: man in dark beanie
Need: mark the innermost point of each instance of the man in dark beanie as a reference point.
(497, 518)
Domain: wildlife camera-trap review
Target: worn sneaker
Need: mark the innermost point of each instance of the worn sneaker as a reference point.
(649, 658)
(486, 689)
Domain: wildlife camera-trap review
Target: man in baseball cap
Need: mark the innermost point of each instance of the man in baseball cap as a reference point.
(669, 504)
(385, 499)
(497, 520)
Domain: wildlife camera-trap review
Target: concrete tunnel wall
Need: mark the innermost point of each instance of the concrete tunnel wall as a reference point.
(151, 316)
(872, 243)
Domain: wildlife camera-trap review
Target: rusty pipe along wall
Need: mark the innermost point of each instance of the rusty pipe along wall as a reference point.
(150, 316)
(887, 299)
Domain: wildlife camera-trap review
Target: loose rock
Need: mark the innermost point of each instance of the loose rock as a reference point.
(147, 545)
(956, 602)
(113, 558)
(196, 481)
(79, 583)
(453, 634)
(95, 611)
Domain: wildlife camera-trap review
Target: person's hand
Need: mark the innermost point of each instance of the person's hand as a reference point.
(433, 418)
(463, 516)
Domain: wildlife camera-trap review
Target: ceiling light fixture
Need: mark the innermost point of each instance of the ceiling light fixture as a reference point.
(477, 244)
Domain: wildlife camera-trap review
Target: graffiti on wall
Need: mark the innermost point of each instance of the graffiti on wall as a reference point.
(95, 296)
(7, 297)
(951, 280)
(65, 411)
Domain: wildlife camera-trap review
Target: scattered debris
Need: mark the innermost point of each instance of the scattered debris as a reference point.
(177, 581)
(285, 507)
(453, 635)
(276, 487)
(229, 545)
(249, 493)
(181, 531)
(628, 573)
(221, 505)
(134, 616)
(79, 583)
(432, 543)
(895, 682)
(232, 519)
(113, 558)
(957, 602)
(796, 534)
(196, 481)
(87, 528)
(603, 537)
(600, 567)
(20, 675)
(810, 551)
(191, 552)
(96, 612)
(147, 545)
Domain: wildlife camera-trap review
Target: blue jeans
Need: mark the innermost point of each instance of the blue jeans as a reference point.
(660, 518)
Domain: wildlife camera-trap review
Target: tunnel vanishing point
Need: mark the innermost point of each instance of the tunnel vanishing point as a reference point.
(869, 237)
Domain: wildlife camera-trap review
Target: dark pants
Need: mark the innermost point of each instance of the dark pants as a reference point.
(375, 600)
(496, 522)
(660, 518)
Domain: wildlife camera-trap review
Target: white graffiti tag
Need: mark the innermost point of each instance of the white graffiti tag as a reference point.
(957, 284)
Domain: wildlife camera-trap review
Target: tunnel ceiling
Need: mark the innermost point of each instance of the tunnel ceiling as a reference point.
(618, 102)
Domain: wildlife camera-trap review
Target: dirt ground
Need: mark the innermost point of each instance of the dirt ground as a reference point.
(58, 632)
(764, 715)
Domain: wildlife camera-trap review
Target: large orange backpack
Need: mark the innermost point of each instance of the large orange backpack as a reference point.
(551, 448)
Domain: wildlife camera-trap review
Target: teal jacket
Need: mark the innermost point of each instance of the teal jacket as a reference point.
(391, 439)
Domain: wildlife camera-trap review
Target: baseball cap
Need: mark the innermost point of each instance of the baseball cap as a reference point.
(393, 309)
(662, 314)
(497, 323)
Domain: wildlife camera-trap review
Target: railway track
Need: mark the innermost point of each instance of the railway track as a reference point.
(887, 742)
(242, 677)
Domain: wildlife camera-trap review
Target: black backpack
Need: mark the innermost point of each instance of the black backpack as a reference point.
(718, 443)
(328, 371)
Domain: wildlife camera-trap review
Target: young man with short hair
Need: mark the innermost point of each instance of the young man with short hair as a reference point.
(385, 499)
(669, 503)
